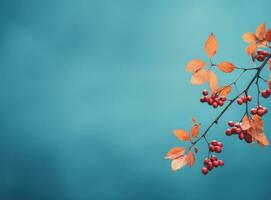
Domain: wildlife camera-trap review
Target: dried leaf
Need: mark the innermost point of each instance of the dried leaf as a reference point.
(175, 153)
(195, 65)
(190, 159)
(178, 163)
(182, 135)
(261, 139)
(226, 67)
(211, 46)
(260, 31)
(268, 35)
(195, 130)
(199, 77)
(245, 124)
(257, 123)
(213, 81)
(250, 50)
(249, 37)
(223, 91)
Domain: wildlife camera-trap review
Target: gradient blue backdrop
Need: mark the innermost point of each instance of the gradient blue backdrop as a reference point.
(91, 91)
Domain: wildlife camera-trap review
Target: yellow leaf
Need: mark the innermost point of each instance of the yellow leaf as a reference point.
(250, 50)
(249, 37)
(223, 91)
(182, 135)
(211, 46)
(178, 163)
(175, 153)
(190, 159)
(212, 79)
(195, 130)
(268, 35)
(199, 77)
(195, 65)
(226, 67)
(260, 31)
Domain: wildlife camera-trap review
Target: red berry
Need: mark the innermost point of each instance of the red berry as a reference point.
(218, 149)
(265, 93)
(228, 132)
(215, 163)
(204, 170)
(241, 136)
(212, 148)
(214, 142)
(215, 104)
(221, 103)
(221, 163)
(260, 52)
(249, 98)
(202, 99)
(260, 58)
(253, 111)
(220, 144)
(248, 138)
(223, 98)
(238, 130)
(240, 101)
(205, 92)
(206, 161)
(231, 123)
(213, 158)
(266, 54)
(211, 101)
(237, 125)
(265, 110)
(210, 165)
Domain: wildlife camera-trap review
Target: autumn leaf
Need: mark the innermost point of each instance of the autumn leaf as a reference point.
(250, 50)
(199, 77)
(245, 124)
(268, 35)
(213, 82)
(175, 153)
(182, 135)
(190, 159)
(257, 123)
(261, 139)
(226, 67)
(260, 31)
(195, 130)
(249, 37)
(211, 46)
(223, 91)
(195, 65)
(178, 163)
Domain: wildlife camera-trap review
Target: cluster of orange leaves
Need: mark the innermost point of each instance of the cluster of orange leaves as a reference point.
(177, 154)
(201, 75)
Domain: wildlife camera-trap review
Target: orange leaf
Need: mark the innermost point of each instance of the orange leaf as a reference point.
(250, 50)
(195, 65)
(268, 35)
(261, 139)
(178, 163)
(182, 135)
(257, 123)
(190, 159)
(226, 67)
(223, 91)
(199, 77)
(260, 31)
(245, 124)
(175, 153)
(195, 130)
(211, 46)
(213, 82)
(249, 37)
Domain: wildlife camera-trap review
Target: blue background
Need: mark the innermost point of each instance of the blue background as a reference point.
(91, 91)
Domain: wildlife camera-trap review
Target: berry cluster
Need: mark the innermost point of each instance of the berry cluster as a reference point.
(213, 100)
(215, 146)
(261, 55)
(210, 163)
(266, 93)
(235, 128)
(244, 99)
(260, 110)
